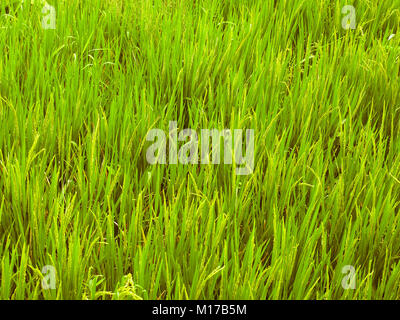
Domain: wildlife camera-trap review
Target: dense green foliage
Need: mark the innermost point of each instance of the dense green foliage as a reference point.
(77, 192)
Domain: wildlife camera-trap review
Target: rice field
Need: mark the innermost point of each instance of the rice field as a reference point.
(85, 215)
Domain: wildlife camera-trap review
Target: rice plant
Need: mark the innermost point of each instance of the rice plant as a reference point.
(84, 215)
